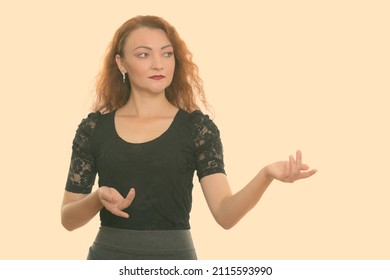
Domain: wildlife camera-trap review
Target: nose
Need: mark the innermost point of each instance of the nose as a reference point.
(157, 63)
(159, 68)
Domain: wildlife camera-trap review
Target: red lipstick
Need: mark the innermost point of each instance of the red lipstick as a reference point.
(157, 77)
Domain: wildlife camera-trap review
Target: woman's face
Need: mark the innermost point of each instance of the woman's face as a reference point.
(148, 59)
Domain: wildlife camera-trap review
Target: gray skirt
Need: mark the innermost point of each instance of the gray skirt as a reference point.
(123, 244)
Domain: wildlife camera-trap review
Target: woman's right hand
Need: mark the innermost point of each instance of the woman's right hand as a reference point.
(114, 202)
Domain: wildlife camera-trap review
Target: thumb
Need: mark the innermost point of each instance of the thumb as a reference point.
(305, 167)
(105, 193)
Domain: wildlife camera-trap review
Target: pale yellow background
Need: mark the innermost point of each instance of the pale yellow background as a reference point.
(281, 75)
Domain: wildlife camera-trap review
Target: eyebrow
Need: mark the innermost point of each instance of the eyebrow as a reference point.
(149, 48)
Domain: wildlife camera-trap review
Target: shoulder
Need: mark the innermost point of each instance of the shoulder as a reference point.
(197, 125)
(88, 123)
(202, 123)
(197, 119)
(94, 119)
(87, 126)
(203, 128)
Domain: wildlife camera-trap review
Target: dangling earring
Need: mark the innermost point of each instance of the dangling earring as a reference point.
(124, 77)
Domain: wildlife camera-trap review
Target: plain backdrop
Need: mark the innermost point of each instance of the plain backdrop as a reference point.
(281, 76)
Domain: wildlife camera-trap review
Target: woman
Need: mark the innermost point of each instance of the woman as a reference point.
(145, 140)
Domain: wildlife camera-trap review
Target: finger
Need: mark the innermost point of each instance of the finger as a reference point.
(287, 171)
(294, 168)
(106, 194)
(131, 194)
(119, 213)
(299, 158)
(307, 174)
(304, 167)
(128, 200)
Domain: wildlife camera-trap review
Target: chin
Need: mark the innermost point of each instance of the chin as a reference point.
(157, 90)
(152, 89)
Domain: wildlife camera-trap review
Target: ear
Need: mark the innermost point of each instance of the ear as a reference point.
(119, 63)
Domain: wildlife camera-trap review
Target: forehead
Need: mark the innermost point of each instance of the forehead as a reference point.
(145, 36)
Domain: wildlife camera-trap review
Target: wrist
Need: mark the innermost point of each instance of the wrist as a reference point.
(98, 198)
(266, 173)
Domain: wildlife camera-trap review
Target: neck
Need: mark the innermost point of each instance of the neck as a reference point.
(141, 105)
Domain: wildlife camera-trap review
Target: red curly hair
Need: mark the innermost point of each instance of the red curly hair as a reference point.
(186, 89)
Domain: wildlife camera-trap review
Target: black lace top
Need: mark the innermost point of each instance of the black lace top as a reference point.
(160, 170)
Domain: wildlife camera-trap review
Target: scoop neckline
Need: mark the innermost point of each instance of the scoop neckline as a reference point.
(149, 141)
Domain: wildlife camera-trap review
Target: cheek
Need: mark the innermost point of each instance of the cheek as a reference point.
(171, 66)
(137, 73)
(136, 69)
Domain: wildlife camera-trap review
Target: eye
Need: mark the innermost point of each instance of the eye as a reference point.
(168, 54)
(142, 55)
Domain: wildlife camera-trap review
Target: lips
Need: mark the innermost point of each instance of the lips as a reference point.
(157, 77)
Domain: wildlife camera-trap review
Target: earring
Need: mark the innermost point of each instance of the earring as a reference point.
(124, 77)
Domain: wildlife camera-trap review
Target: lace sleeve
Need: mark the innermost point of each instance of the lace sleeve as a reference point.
(82, 171)
(208, 146)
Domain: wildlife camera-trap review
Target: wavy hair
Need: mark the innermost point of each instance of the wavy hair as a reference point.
(186, 89)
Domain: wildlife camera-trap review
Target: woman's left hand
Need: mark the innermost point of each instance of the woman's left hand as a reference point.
(291, 170)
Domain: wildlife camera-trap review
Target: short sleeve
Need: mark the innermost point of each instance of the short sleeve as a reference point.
(82, 170)
(208, 146)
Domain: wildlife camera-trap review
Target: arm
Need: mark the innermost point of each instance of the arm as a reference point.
(228, 208)
(79, 209)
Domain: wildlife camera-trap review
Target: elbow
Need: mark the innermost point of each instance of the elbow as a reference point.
(226, 224)
(224, 220)
(67, 225)
(68, 228)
